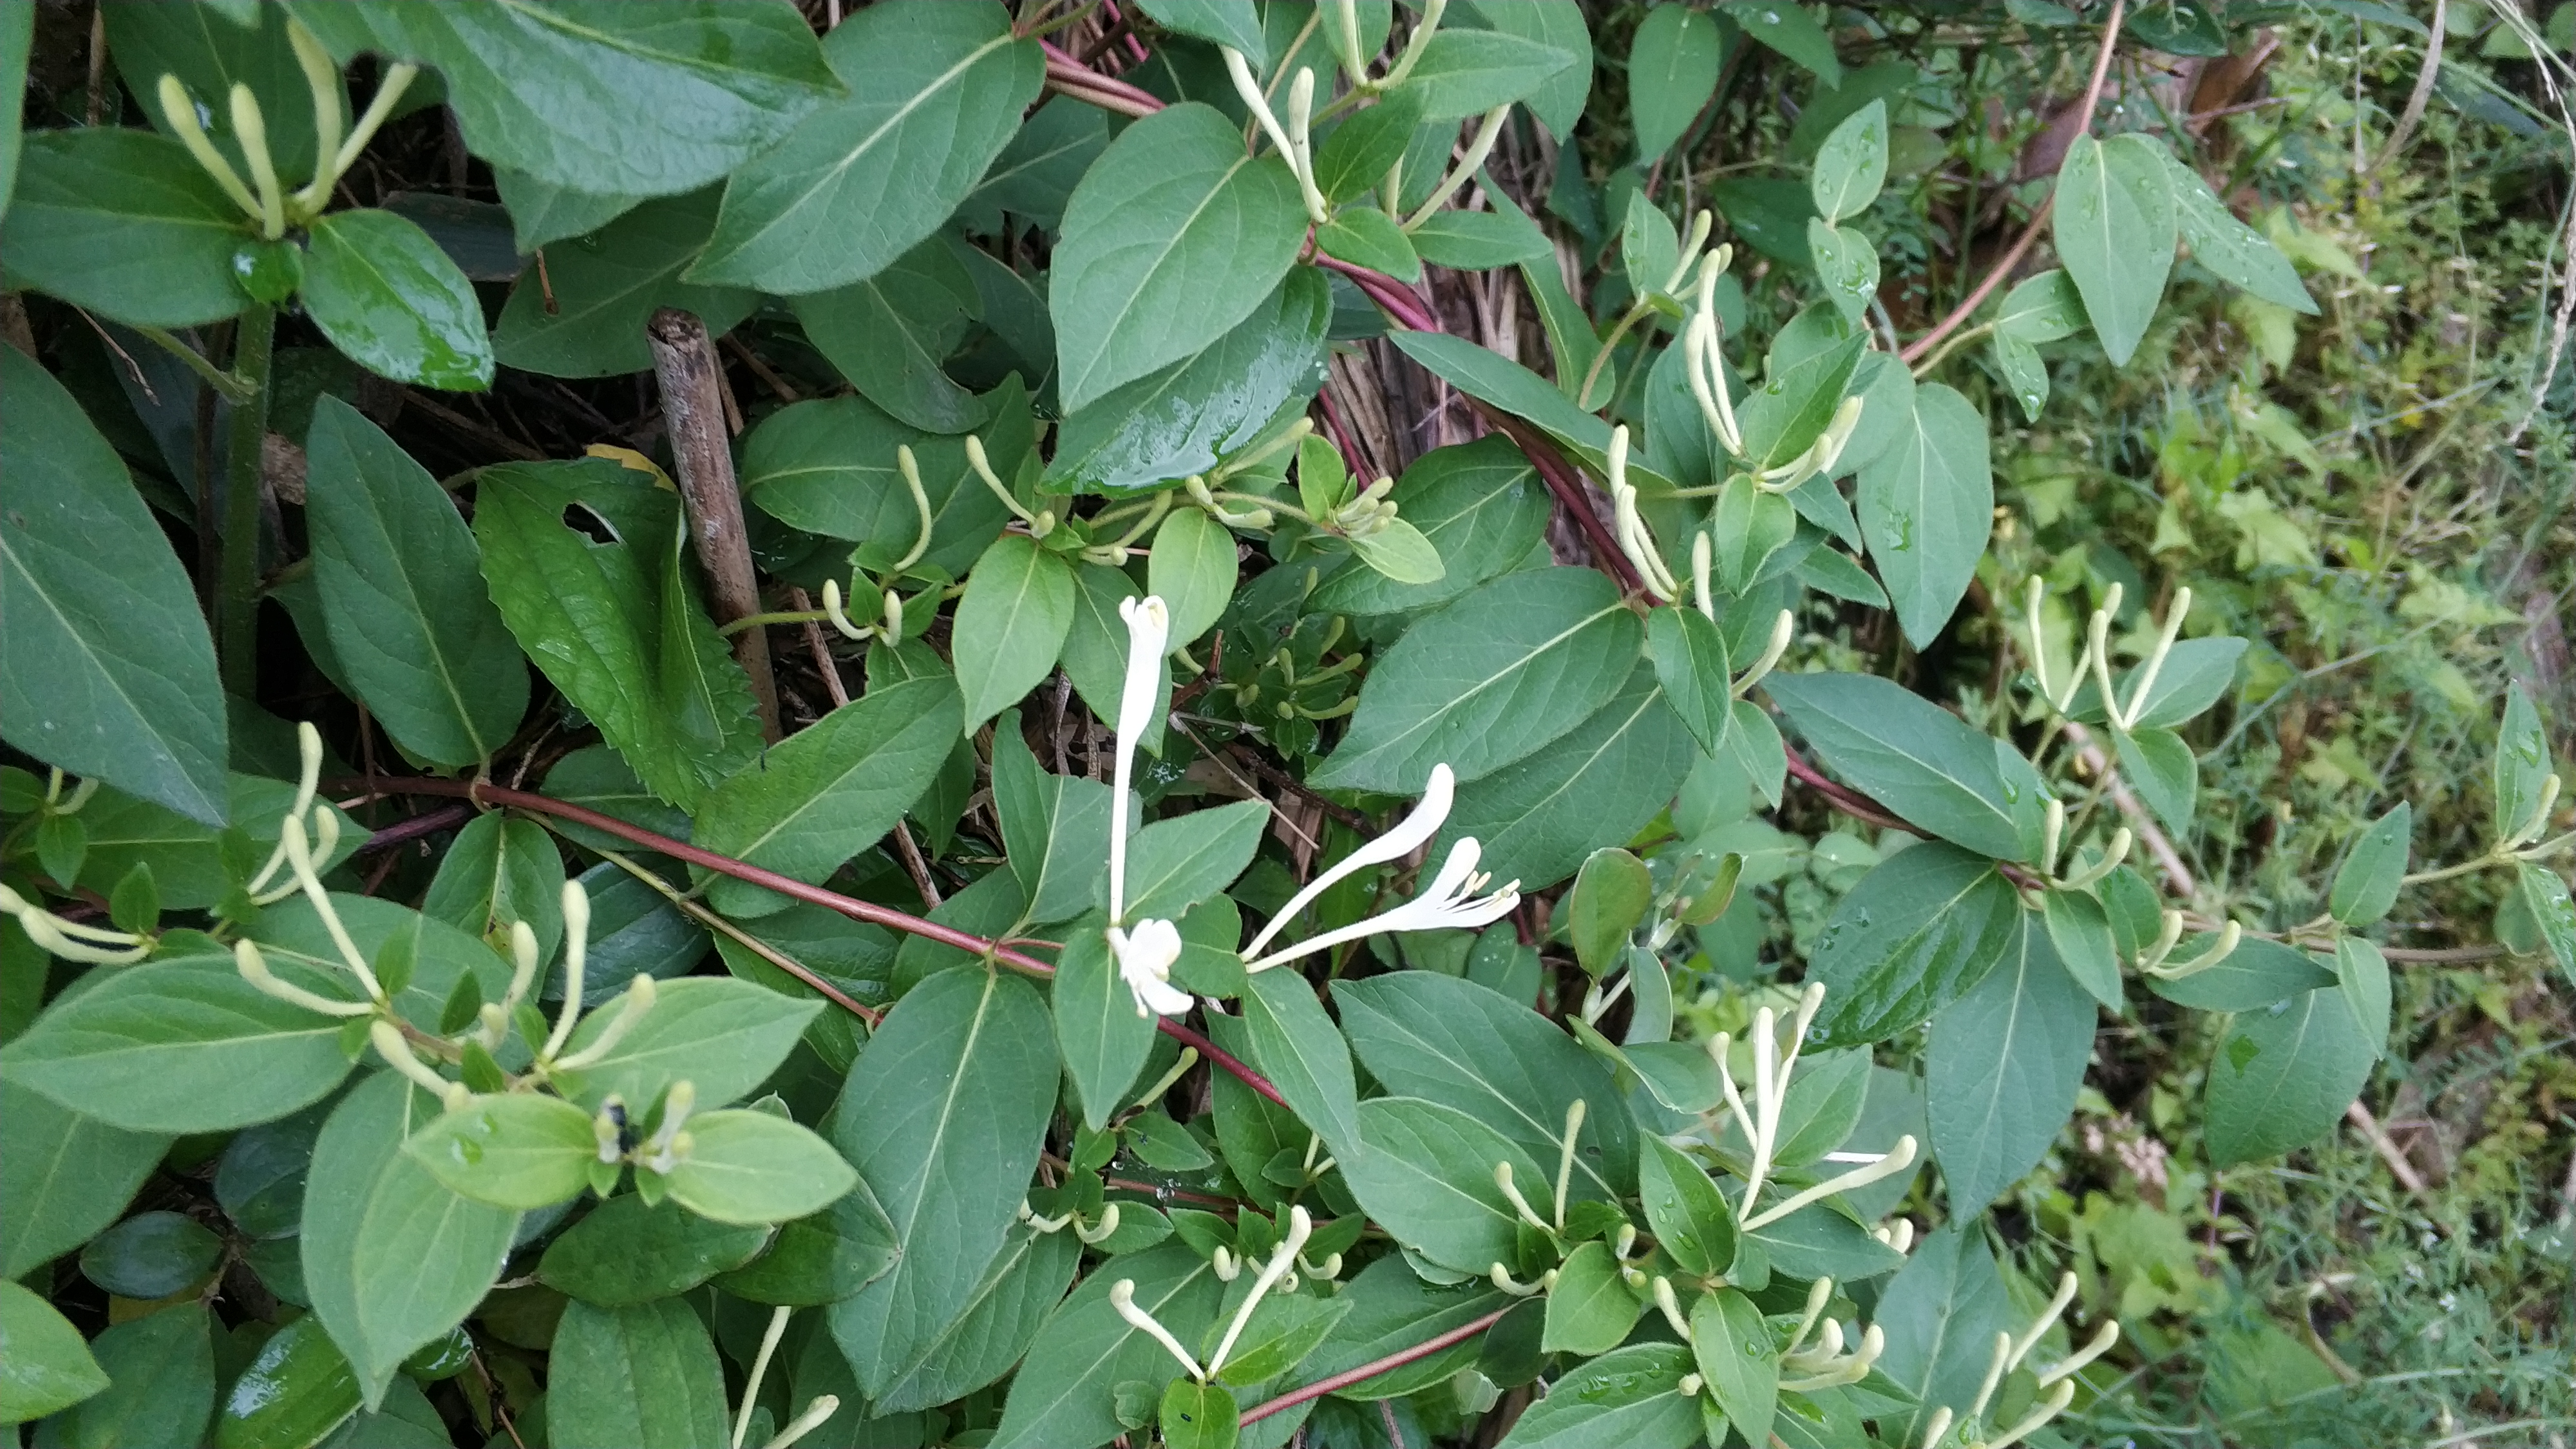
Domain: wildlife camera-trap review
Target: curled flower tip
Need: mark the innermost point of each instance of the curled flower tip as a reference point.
(1409, 835)
(1450, 901)
(1145, 956)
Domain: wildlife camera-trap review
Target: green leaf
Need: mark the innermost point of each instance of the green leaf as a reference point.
(1909, 754)
(17, 37)
(2080, 929)
(2521, 763)
(1282, 1331)
(160, 1385)
(1487, 680)
(2161, 767)
(1491, 378)
(645, 1377)
(1630, 1397)
(830, 790)
(293, 934)
(2238, 254)
(1399, 552)
(1064, 1391)
(1792, 32)
(2043, 308)
(1104, 1036)
(124, 224)
(751, 1167)
(2003, 1068)
(1176, 863)
(1691, 1218)
(515, 1150)
(181, 1046)
(935, 90)
(1367, 237)
(819, 1259)
(1355, 156)
(1917, 932)
(944, 1115)
(1192, 571)
(64, 1177)
(151, 1255)
(1178, 420)
(2195, 675)
(1194, 1415)
(1599, 784)
(106, 670)
(2257, 974)
(607, 96)
(1738, 1360)
(1750, 526)
(1294, 1044)
(542, 212)
(890, 333)
(1852, 164)
(385, 295)
(2114, 227)
(2544, 895)
(1672, 73)
(1847, 263)
(607, 284)
(625, 1252)
(1926, 505)
(2364, 977)
(2366, 884)
(1230, 23)
(1392, 1310)
(723, 1036)
(1558, 102)
(1941, 1313)
(2284, 1075)
(296, 1391)
(1590, 1310)
(1001, 1318)
(1011, 625)
(1804, 385)
(1480, 240)
(500, 871)
(392, 1259)
(1691, 665)
(1173, 237)
(402, 590)
(48, 1367)
(1611, 895)
(828, 466)
(1482, 509)
(1469, 72)
(1425, 1173)
(1471, 1049)
(1052, 826)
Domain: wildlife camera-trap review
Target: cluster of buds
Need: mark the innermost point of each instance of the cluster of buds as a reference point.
(264, 199)
(2057, 1383)
(1704, 362)
(889, 626)
(1761, 1123)
(2095, 660)
(1122, 1297)
(69, 939)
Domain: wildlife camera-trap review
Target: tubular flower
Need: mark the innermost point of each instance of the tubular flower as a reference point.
(1450, 902)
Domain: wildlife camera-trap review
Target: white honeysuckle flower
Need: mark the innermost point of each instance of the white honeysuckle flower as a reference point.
(1145, 956)
(1450, 902)
(1409, 835)
(1149, 638)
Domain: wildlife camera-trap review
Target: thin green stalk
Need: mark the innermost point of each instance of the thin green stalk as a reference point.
(230, 388)
(237, 613)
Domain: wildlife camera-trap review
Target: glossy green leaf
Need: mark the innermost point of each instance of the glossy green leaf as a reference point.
(1811, 365)
(1011, 625)
(645, 1377)
(500, 871)
(2003, 1068)
(1926, 506)
(1425, 1173)
(106, 670)
(935, 90)
(1290, 1040)
(890, 333)
(1064, 1390)
(151, 1255)
(1738, 1360)
(828, 466)
(390, 300)
(160, 1385)
(64, 1177)
(295, 1392)
(1791, 31)
(1847, 263)
(181, 1046)
(123, 223)
(830, 790)
(47, 1367)
(1852, 164)
(2115, 230)
(1917, 932)
(1672, 73)
(516, 1150)
(1692, 1221)
(1174, 236)
(2284, 1075)
(2521, 763)
(609, 96)
(1471, 1049)
(2239, 255)
(626, 1252)
(1907, 753)
(1630, 1397)
(605, 283)
(2366, 884)
(1611, 895)
(410, 621)
(1487, 680)
(944, 1116)
(2544, 896)
(542, 212)
(819, 1259)
(1192, 571)
(1483, 510)
(392, 1259)
(1590, 1310)
(1598, 784)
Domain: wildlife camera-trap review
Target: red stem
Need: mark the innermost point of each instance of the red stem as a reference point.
(850, 906)
(1568, 487)
(1348, 1377)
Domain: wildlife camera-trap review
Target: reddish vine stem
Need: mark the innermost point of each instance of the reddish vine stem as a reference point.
(855, 909)
(1371, 1369)
(1567, 485)
(2021, 246)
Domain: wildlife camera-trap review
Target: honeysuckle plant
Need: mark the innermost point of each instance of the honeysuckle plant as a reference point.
(1083, 747)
